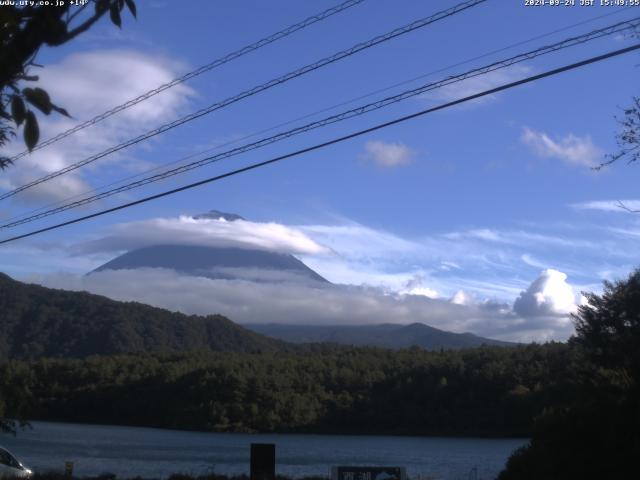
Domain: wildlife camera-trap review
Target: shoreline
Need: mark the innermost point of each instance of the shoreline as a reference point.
(297, 433)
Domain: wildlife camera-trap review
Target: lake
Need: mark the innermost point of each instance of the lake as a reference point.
(156, 453)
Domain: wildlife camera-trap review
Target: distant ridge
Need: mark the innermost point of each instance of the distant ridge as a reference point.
(40, 322)
(381, 335)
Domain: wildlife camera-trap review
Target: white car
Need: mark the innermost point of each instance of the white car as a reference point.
(10, 467)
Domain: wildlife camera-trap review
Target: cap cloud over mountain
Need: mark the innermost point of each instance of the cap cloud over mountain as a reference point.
(212, 229)
(245, 257)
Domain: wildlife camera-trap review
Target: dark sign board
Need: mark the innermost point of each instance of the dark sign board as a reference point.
(263, 461)
(367, 473)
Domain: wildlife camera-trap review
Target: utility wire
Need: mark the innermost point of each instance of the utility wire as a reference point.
(423, 22)
(334, 141)
(581, 39)
(199, 71)
(318, 112)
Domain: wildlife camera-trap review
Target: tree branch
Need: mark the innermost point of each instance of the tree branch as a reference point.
(83, 27)
(621, 204)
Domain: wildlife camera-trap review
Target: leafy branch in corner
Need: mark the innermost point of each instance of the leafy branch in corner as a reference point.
(23, 31)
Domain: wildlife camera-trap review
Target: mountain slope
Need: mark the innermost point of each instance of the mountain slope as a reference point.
(41, 322)
(216, 262)
(384, 335)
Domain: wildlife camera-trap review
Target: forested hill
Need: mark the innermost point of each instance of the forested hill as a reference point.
(41, 322)
(492, 391)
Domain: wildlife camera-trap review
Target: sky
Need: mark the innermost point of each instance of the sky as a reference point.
(485, 217)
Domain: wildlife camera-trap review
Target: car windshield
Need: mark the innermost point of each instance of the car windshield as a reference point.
(7, 459)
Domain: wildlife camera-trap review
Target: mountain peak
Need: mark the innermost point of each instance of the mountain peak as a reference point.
(226, 263)
(217, 215)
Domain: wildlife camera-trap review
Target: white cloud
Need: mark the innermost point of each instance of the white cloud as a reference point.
(548, 295)
(185, 230)
(462, 298)
(417, 286)
(388, 155)
(532, 261)
(478, 84)
(448, 266)
(87, 84)
(90, 82)
(251, 302)
(353, 240)
(362, 271)
(485, 262)
(630, 232)
(520, 237)
(619, 206)
(422, 291)
(571, 149)
(487, 234)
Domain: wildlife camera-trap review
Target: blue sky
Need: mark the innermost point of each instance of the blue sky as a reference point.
(482, 198)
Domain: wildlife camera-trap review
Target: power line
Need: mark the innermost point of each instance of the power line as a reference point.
(616, 28)
(323, 110)
(423, 22)
(361, 110)
(334, 141)
(199, 71)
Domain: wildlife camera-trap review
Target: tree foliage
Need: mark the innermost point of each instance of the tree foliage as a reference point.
(23, 31)
(489, 391)
(608, 330)
(36, 322)
(597, 433)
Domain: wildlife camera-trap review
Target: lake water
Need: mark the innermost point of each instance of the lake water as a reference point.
(156, 453)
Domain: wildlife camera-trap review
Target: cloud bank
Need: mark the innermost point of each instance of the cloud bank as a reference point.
(251, 302)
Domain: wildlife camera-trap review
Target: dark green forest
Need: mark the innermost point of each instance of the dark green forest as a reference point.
(486, 391)
(42, 322)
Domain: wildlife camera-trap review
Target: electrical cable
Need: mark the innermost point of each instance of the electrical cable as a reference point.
(317, 112)
(423, 22)
(334, 141)
(581, 39)
(199, 71)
